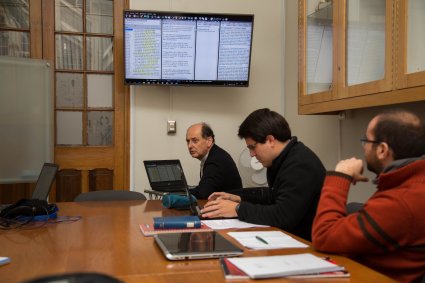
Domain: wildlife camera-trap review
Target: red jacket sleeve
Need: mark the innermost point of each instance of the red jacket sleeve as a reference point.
(378, 227)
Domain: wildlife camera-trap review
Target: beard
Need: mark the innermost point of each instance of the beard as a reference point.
(374, 166)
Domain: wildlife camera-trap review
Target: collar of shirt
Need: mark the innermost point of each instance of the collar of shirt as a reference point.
(203, 162)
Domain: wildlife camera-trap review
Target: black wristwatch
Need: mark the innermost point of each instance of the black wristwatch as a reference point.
(237, 208)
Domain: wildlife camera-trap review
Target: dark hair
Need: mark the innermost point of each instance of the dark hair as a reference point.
(403, 131)
(263, 122)
(207, 132)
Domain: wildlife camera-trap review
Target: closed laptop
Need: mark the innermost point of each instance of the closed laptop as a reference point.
(196, 245)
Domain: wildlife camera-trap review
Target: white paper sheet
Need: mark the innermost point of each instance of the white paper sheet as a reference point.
(273, 239)
(220, 224)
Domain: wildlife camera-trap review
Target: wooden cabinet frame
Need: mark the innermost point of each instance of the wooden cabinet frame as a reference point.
(396, 86)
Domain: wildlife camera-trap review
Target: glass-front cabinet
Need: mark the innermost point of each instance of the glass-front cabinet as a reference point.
(359, 53)
(367, 54)
(317, 43)
(411, 70)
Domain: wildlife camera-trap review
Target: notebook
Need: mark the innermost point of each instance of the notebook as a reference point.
(165, 175)
(196, 245)
(44, 182)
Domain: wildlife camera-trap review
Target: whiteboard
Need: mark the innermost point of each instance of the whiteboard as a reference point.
(26, 118)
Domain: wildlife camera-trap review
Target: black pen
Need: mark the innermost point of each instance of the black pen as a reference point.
(261, 240)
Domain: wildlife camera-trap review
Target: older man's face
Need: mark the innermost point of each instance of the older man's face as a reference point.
(197, 145)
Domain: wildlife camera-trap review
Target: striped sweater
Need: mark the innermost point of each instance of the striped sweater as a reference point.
(388, 233)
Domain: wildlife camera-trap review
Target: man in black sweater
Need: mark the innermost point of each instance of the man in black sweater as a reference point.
(218, 170)
(294, 173)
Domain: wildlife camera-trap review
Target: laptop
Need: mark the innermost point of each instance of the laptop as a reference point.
(165, 175)
(196, 245)
(44, 183)
(195, 209)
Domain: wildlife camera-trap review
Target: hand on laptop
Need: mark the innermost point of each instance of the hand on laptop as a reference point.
(223, 195)
(219, 208)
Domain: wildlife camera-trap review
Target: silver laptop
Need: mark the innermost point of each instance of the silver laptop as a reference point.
(196, 245)
(44, 183)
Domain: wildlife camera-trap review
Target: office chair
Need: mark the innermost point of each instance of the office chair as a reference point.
(88, 277)
(109, 195)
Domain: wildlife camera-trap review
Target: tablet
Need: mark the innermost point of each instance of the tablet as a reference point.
(196, 245)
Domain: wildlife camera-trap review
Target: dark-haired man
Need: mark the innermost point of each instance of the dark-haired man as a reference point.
(218, 170)
(388, 232)
(294, 173)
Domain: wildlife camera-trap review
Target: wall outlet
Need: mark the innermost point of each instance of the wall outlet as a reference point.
(171, 127)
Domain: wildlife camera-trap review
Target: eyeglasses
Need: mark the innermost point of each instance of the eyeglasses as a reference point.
(365, 141)
(251, 147)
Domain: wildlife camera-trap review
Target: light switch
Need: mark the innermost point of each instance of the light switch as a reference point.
(171, 127)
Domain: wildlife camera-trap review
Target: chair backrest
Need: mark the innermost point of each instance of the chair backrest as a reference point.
(109, 195)
(77, 278)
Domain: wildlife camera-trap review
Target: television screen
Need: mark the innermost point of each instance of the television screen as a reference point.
(175, 48)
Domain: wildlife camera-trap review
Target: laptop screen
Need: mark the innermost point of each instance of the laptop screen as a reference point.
(44, 181)
(165, 175)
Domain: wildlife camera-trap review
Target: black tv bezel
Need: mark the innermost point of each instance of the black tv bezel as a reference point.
(179, 82)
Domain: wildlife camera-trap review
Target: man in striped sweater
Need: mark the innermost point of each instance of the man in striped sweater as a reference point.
(388, 232)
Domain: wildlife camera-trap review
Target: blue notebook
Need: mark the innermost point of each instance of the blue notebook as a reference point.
(176, 222)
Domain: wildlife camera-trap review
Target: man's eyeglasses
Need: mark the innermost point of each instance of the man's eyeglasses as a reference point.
(251, 147)
(365, 141)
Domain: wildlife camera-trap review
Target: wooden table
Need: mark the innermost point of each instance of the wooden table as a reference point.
(107, 239)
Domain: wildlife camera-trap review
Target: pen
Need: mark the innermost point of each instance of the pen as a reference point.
(261, 240)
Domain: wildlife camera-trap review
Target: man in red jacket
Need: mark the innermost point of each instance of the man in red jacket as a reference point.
(388, 232)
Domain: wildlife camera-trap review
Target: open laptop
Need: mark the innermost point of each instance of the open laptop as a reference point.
(44, 183)
(196, 245)
(165, 175)
(195, 209)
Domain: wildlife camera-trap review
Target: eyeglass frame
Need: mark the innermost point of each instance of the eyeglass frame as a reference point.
(251, 147)
(365, 140)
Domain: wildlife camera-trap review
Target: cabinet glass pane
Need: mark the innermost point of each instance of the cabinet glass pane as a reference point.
(14, 14)
(99, 127)
(416, 36)
(99, 90)
(69, 52)
(99, 16)
(69, 15)
(15, 43)
(69, 128)
(100, 56)
(319, 46)
(69, 90)
(365, 41)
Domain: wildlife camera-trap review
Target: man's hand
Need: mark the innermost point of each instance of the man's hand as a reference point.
(219, 208)
(224, 196)
(352, 167)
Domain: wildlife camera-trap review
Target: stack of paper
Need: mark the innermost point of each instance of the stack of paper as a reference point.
(230, 271)
(266, 240)
(219, 224)
(283, 265)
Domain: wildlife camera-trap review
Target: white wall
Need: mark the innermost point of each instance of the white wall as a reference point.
(274, 84)
(223, 108)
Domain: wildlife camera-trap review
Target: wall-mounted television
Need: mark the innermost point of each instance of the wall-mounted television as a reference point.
(176, 48)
